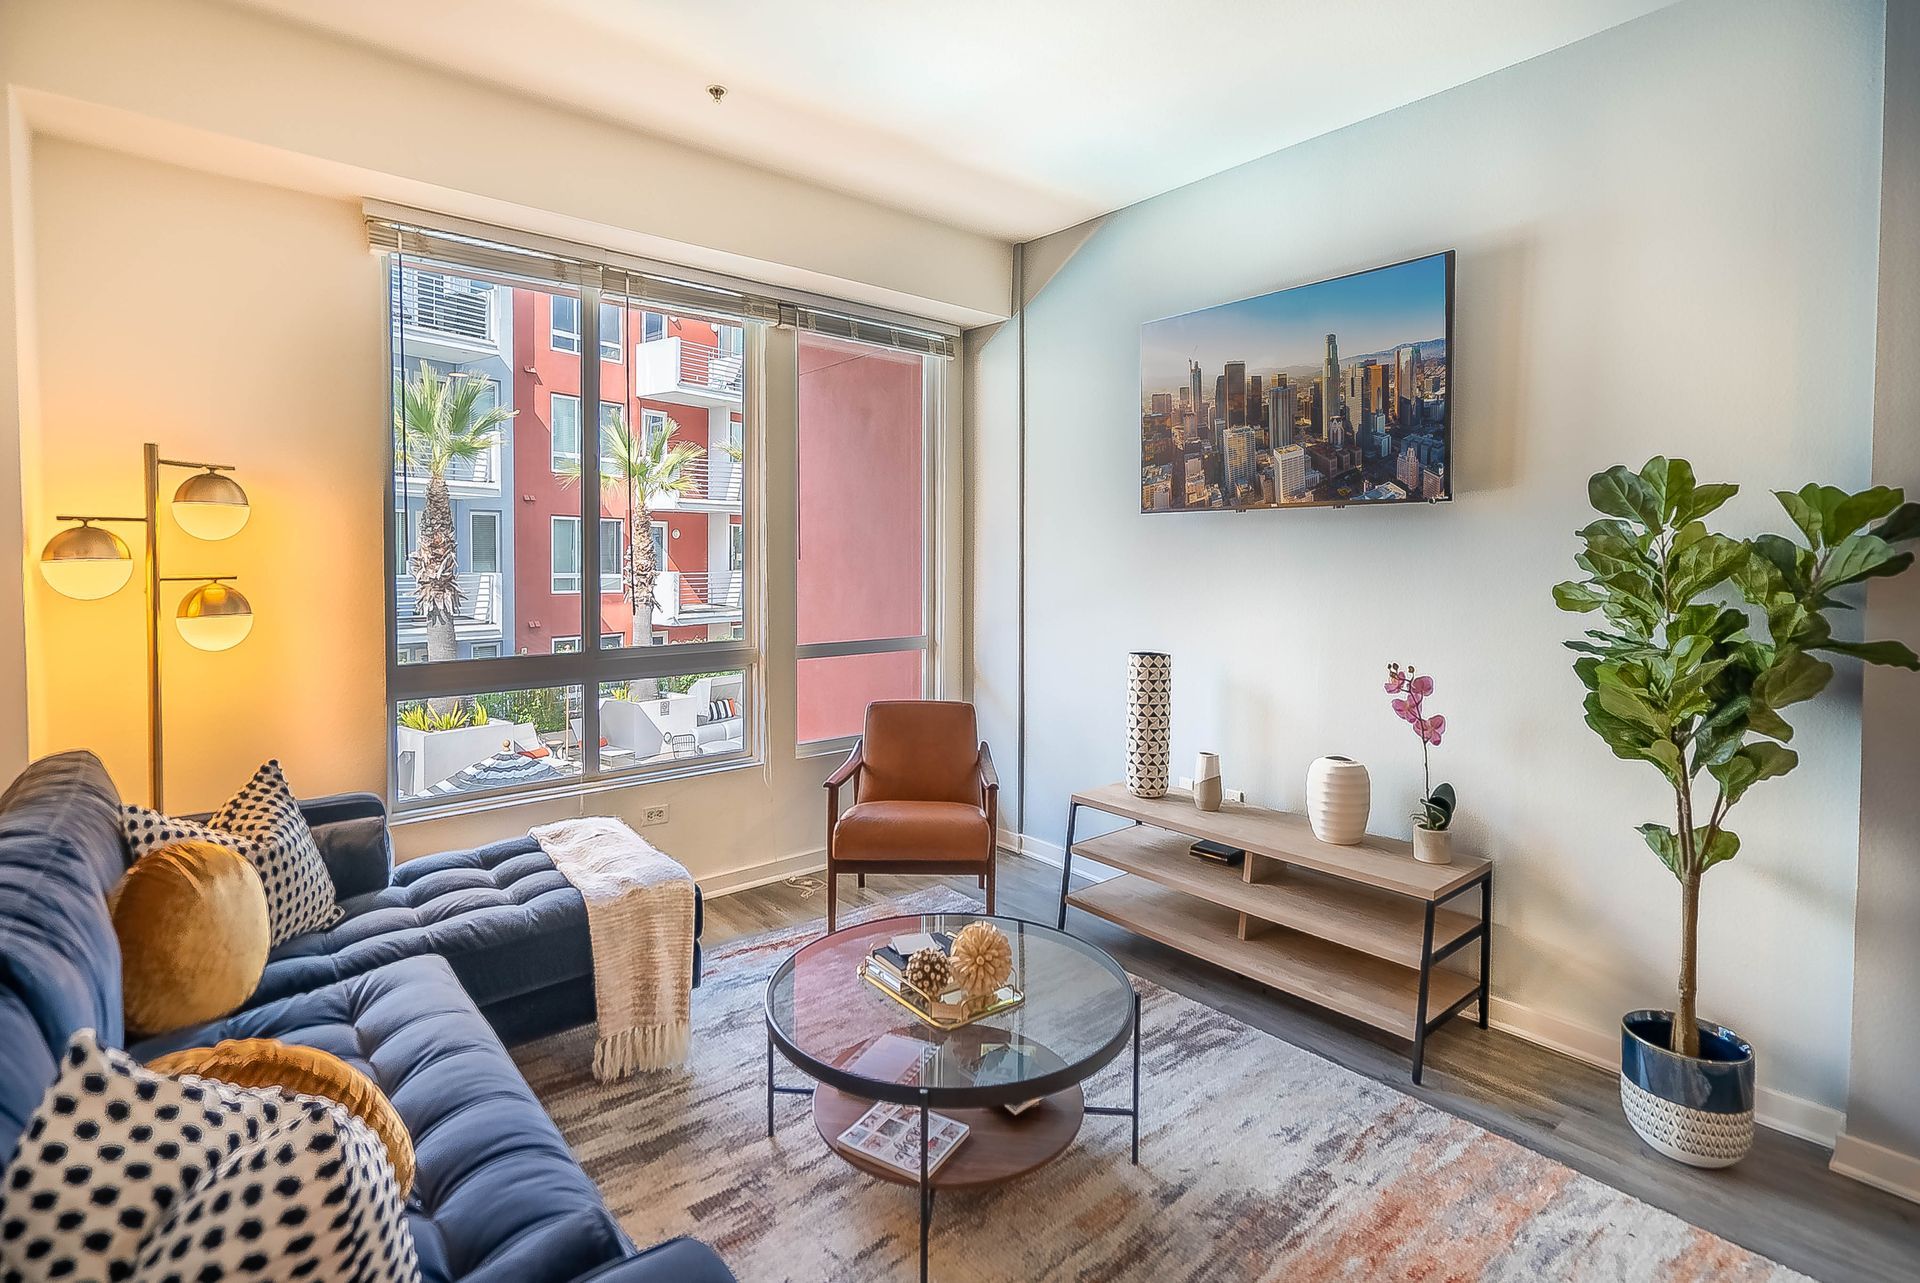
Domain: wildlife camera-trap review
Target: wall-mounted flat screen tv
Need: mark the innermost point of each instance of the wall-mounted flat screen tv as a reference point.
(1321, 395)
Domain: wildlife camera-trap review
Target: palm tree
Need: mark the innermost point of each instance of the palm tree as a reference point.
(436, 423)
(648, 465)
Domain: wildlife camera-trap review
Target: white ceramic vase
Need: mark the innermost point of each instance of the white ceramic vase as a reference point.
(1206, 781)
(1149, 722)
(1433, 846)
(1339, 795)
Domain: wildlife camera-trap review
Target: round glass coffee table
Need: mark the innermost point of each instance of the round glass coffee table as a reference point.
(861, 1046)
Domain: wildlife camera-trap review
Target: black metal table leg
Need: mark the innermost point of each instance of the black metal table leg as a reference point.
(1486, 945)
(1420, 1010)
(1066, 864)
(926, 1190)
(1136, 1078)
(769, 1081)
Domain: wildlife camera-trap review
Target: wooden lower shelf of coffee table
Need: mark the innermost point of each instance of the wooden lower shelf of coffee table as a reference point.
(999, 1148)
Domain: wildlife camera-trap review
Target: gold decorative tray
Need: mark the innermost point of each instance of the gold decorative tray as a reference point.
(935, 1011)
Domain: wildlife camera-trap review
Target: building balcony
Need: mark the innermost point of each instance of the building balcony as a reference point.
(447, 318)
(682, 599)
(473, 478)
(713, 485)
(481, 615)
(675, 369)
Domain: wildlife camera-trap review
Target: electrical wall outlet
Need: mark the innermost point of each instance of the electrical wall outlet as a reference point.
(1226, 794)
(653, 815)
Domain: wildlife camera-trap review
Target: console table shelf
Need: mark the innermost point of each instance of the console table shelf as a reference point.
(1358, 929)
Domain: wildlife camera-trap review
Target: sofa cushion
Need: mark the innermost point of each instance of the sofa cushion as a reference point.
(60, 853)
(497, 1195)
(505, 918)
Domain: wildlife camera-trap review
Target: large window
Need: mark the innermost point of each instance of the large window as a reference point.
(864, 425)
(533, 644)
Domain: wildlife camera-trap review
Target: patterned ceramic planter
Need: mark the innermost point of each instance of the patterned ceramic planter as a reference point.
(1696, 1110)
(1339, 795)
(1149, 722)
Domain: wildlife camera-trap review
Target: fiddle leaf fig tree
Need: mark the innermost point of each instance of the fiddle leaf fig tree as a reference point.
(1706, 640)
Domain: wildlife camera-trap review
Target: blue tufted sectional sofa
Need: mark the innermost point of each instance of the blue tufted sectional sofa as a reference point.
(435, 963)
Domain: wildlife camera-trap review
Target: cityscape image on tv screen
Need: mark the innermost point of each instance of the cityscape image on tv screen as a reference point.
(1330, 393)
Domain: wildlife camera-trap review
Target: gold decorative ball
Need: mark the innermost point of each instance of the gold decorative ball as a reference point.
(928, 972)
(982, 959)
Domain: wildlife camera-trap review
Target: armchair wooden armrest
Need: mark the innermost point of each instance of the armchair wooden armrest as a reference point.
(989, 778)
(846, 770)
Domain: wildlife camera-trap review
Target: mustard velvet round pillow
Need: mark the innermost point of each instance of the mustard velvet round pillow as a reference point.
(268, 1062)
(192, 922)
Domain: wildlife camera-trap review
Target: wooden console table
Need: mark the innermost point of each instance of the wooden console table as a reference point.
(1358, 929)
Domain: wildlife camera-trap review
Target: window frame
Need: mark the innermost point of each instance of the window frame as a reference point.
(473, 540)
(619, 339)
(934, 374)
(554, 573)
(584, 678)
(562, 458)
(555, 333)
(618, 573)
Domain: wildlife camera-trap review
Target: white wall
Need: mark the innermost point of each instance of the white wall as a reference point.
(1882, 1140)
(182, 260)
(1666, 245)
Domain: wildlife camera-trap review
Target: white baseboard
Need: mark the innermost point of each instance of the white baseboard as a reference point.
(1782, 1111)
(1793, 1115)
(747, 876)
(1878, 1166)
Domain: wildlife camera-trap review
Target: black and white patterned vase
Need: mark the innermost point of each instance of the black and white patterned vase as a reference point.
(1149, 722)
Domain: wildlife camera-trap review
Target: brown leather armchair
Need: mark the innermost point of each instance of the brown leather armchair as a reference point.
(927, 797)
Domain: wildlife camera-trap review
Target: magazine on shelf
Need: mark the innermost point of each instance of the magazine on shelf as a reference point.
(890, 1135)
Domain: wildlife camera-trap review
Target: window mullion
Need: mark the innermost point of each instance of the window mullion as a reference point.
(589, 530)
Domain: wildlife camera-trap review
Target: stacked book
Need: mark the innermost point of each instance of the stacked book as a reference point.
(890, 1134)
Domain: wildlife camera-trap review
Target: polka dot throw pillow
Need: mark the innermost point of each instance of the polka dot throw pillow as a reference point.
(262, 822)
(124, 1173)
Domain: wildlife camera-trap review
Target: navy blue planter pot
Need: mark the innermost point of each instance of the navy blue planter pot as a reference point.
(1697, 1110)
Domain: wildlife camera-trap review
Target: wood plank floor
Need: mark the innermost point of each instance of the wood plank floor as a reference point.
(1782, 1201)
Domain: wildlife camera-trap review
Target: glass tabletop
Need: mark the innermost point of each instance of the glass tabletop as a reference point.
(1076, 1015)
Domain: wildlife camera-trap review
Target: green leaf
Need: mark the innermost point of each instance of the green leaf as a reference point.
(1665, 844)
(1707, 499)
(1794, 677)
(1802, 510)
(1754, 762)
(1704, 563)
(1619, 492)
(1671, 481)
(1891, 653)
(1904, 524)
(1628, 700)
(1723, 847)
(1861, 557)
(1762, 720)
(1720, 733)
(1857, 510)
(1576, 597)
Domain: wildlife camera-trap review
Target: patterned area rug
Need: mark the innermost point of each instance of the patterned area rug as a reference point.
(1257, 1161)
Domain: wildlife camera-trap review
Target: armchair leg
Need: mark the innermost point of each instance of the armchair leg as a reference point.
(986, 880)
(832, 887)
(861, 882)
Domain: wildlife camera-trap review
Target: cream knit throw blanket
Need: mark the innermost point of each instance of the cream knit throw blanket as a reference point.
(640, 921)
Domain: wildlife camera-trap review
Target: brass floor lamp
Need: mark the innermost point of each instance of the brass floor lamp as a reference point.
(88, 563)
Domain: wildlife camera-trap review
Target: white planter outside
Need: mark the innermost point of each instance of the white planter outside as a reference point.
(1339, 797)
(1433, 846)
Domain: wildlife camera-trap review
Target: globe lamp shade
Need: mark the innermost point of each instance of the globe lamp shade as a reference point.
(86, 563)
(210, 505)
(215, 617)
